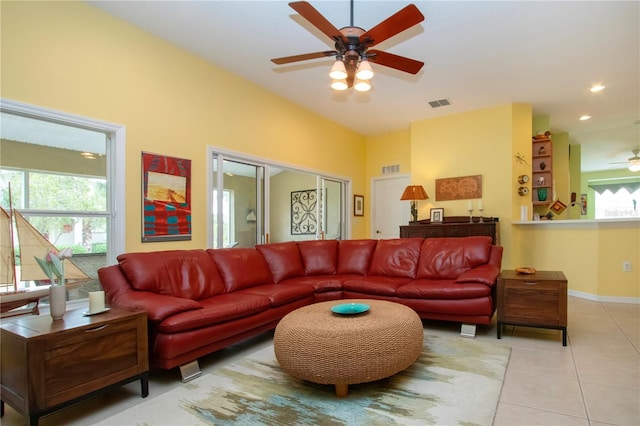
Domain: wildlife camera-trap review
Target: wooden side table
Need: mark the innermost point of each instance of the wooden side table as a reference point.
(48, 365)
(537, 300)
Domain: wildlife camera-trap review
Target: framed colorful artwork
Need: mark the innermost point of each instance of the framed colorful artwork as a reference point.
(166, 198)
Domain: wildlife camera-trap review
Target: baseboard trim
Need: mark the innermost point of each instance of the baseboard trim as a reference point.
(608, 299)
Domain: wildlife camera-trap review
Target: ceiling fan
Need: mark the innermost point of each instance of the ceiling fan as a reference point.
(352, 46)
(633, 162)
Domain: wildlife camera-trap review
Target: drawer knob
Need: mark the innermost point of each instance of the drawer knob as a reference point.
(531, 282)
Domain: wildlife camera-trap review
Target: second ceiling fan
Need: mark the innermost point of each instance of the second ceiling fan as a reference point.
(352, 46)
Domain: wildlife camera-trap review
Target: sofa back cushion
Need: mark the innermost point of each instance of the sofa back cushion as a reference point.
(190, 274)
(319, 257)
(283, 259)
(447, 258)
(241, 268)
(354, 256)
(396, 257)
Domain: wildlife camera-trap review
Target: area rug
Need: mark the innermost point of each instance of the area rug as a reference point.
(456, 381)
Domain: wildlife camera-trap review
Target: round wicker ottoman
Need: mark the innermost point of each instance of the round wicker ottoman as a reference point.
(314, 344)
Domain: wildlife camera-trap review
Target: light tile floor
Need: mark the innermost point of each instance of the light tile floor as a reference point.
(595, 380)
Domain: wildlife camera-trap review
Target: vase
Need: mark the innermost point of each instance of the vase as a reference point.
(542, 194)
(57, 301)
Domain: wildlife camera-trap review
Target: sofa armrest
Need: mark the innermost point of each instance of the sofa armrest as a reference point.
(485, 274)
(158, 306)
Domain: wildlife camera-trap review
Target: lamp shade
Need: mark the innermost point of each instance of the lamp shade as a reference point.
(414, 192)
(339, 85)
(362, 85)
(364, 71)
(338, 70)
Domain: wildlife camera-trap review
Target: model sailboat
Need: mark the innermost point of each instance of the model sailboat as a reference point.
(31, 244)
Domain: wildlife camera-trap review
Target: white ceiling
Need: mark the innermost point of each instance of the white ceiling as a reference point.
(477, 54)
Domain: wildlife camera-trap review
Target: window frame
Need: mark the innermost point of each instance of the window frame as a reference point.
(116, 188)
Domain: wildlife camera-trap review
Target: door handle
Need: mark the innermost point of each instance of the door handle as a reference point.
(378, 232)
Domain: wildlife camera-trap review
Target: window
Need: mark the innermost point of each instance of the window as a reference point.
(58, 171)
(227, 212)
(261, 204)
(618, 204)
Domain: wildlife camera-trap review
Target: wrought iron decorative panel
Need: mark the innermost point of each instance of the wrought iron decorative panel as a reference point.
(303, 212)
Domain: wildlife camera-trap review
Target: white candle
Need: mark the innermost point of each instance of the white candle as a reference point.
(470, 206)
(480, 207)
(96, 301)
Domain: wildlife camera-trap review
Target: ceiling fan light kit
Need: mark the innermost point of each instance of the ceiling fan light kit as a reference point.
(633, 162)
(339, 85)
(352, 46)
(338, 70)
(362, 85)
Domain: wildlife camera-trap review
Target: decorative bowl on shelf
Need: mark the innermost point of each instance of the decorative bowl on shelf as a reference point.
(526, 270)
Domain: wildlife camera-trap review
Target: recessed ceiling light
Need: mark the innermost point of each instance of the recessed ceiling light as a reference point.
(597, 88)
(585, 117)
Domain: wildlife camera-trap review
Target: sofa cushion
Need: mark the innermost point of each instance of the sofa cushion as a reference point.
(320, 283)
(375, 285)
(279, 294)
(354, 256)
(283, 259)
(215, 310)
(189, 274)
(319, 257)
(241, 267)
(396, 257)
(447, 258)
(442, 289)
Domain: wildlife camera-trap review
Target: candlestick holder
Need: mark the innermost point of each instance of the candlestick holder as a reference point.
(481, 209)
(470, 215)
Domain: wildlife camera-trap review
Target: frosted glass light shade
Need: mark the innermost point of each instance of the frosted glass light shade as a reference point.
(364, 71)
(338, 70)
(339, 85)
(362, 85)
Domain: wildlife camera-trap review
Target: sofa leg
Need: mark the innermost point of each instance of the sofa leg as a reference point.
(190, 371)
(468, 330)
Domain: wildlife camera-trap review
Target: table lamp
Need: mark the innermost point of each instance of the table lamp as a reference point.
(414, 193)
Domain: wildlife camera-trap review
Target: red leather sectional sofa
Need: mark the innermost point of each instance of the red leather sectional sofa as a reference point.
(199, 301)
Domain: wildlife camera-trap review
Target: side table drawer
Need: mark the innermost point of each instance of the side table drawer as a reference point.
(87, 359)
(534, 302)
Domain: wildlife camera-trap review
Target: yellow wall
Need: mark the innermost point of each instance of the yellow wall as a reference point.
(589, 253)
(385, 150)
(479, 142)
(72, 57)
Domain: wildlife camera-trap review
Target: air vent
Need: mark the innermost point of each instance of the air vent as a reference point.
(391, 169)
(440, 103)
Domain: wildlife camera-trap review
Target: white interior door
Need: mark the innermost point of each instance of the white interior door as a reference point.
(388, 211)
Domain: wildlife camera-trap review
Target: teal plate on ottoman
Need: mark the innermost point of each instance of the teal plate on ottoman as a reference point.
(350, 308)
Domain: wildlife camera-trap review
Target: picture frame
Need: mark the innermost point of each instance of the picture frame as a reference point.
(358, 205)
(166, 198)
(436, 215)
(558, 207)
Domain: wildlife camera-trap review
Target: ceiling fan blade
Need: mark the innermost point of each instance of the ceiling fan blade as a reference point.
(400, 21)
(309, 13)
(303, 57)
(394, 61)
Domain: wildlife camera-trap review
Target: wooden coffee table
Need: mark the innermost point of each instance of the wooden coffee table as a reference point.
(48, 365)
(314, 344)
